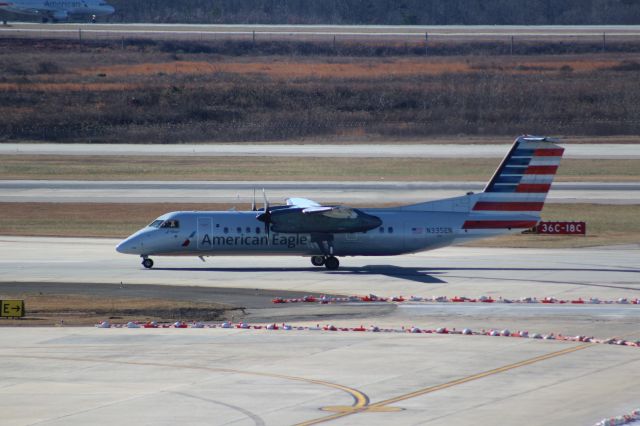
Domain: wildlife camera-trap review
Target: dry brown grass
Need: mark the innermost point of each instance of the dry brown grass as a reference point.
(286, 68)
(69, 87)
(292, 168)
(188, 92)
(606, 225)
(85, 219)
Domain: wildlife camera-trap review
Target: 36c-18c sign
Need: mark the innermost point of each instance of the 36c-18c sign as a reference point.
(562, 228)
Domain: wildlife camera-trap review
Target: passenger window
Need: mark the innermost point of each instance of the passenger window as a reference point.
(173, 224)
(226, 230)
(257, 229)
(390, 229)
(248, 230)
(382, 230)
(239, 230)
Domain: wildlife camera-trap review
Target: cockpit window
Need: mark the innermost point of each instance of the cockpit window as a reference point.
(156, 223)
(171, 223)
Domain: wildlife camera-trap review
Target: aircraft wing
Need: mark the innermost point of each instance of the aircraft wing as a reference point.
(313, 208)
(336, 212)
(302, 215)
(301, 202)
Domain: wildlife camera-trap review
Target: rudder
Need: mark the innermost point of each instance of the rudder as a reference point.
(515, 195)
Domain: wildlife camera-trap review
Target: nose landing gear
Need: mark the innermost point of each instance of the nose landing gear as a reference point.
(330, 262)
(146, 262)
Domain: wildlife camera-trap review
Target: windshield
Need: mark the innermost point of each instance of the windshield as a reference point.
(171, 223)
(156, 223)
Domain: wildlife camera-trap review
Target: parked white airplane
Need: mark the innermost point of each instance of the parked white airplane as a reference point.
(511, 202)
(58, 10)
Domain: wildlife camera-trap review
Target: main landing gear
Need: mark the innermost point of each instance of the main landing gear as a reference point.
(146, 262)
(330, 262)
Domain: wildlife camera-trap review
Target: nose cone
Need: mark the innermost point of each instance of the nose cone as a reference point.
(131, 245)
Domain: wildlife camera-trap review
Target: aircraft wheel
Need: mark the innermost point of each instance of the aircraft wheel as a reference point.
(147, 263)
(317, 260)
(331, 263)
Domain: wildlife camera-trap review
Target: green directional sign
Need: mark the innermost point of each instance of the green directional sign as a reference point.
(12, 308)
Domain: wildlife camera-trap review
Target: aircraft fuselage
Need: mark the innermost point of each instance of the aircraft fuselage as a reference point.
(227, 233)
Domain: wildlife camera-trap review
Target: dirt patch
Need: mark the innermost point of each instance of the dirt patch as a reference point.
(74, 309)
(83, 304)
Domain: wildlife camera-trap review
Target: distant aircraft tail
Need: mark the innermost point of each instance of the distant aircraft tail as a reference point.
(516, 193)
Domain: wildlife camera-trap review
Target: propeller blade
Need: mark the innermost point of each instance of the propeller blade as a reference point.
(253, 203)
(267, 214)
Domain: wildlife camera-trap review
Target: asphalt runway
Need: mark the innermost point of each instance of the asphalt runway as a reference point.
(587, 272)
(63, 376)
(77, 376)
(453, 150)
(319, 32)
(242, 192)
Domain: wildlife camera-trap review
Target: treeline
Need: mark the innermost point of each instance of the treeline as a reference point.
(381, 12)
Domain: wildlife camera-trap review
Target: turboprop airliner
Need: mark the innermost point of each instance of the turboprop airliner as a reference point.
(58, 10)
(511, 202)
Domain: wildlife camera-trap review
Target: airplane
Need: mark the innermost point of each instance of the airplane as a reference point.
(58, 10)
(511, 202)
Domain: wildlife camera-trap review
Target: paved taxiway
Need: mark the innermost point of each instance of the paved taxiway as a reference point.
(59, 376)
(242, 192)
(605, 273)
(82, 376)
(593, 272)
(320, 32)
(454, 150)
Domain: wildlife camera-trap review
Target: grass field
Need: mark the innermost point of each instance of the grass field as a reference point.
(606, 225)
(193, 92)
(291, 168)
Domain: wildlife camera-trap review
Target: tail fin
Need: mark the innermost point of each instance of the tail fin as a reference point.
(516, 193)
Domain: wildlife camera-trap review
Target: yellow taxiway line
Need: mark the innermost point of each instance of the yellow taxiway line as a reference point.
(383, 405)
(360, 399)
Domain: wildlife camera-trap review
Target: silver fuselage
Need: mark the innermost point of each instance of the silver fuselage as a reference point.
(205, 233)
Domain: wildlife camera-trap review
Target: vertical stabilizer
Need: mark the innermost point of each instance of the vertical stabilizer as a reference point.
(516, 193)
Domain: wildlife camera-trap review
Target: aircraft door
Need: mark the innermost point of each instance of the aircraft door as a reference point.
(205, 233)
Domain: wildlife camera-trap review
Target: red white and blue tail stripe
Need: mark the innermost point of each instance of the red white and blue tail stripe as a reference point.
(514, 197)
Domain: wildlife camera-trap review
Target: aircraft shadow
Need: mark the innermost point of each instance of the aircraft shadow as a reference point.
(633, 271)
(617, 286)
(411, 274)
(425, 275)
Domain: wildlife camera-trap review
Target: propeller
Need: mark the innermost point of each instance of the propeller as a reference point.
(253, 203)
(266, 215)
